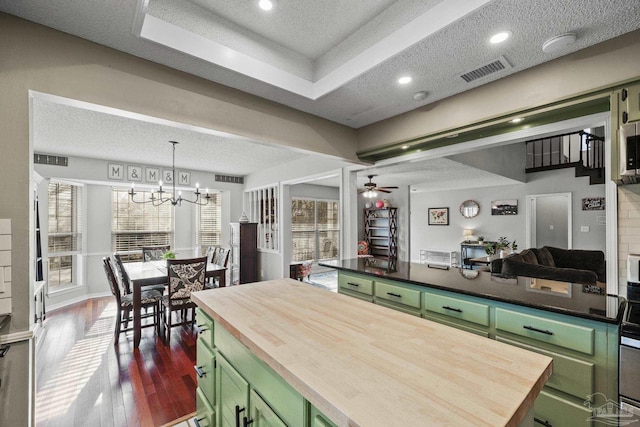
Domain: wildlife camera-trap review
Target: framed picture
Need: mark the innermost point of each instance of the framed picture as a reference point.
(504, 207)
(134, 173)
(115, 171)
(593, 204)
(438, 216)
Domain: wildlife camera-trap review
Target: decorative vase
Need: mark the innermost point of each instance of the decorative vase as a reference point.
(368, 205)
(243, 218)
(503, 253)
(386, 203)
(379, 204)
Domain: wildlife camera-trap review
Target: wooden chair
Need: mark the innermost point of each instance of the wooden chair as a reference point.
(154, 253)
(184, 276)
(148, 299)
(212, 253)
(221, 258)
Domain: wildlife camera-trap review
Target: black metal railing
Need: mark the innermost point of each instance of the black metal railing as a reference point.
(565, 150)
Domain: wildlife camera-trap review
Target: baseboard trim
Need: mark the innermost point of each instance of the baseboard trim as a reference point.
(186, 418)
(81, 298)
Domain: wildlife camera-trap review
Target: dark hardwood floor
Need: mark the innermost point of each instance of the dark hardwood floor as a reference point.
(82, 379)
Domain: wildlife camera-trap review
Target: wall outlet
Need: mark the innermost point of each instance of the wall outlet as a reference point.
(584, 228)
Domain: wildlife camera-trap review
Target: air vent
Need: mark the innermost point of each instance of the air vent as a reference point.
(499, 64)
(230, 179)
(45, 159)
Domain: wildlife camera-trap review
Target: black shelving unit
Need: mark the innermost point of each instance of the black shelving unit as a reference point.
(381, 232)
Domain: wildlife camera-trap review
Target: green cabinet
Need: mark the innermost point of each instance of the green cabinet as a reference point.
(233, 392)
(584, 351)
(630, 104)
(205, 414)
(206, 371)
(261, 414)
(355, 286)
(318, 419)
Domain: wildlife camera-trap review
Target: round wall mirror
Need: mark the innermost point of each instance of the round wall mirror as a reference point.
(469, 208)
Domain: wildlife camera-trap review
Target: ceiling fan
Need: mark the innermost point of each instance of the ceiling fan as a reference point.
(371, 189)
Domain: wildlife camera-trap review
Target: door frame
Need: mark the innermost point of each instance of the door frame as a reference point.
(531, 217)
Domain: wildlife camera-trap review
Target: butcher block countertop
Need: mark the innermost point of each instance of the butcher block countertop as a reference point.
(365, 365)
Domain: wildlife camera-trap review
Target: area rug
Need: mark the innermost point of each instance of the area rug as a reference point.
(327, 280)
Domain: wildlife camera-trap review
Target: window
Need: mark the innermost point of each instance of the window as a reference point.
(64, 239)
(315, 229)
(134, 225)
(209, 219)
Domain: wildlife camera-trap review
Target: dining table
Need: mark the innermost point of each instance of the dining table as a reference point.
(155, 273)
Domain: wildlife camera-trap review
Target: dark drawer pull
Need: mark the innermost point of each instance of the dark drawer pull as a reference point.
(4, 350)
(238, 412)
(200, 329)
(394, 295)
(457, 310)
(352, 284)
(196, 421)
(544, 423)
(542, 331)
(199, 371)
(246, 421)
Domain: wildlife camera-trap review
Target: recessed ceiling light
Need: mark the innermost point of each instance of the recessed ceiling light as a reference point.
(419, 96)
(500, 37)
(516, 120)
(404, 80)
(266, 4)
(557, 43)
(404, 147)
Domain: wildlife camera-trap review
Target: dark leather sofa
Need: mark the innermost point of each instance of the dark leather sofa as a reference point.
(566, 265)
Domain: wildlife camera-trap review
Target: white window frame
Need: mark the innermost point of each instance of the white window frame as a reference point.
(198, 237)
(266, 210)
(316, 230)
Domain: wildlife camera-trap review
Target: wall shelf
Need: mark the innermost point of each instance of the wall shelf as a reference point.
(381, 232)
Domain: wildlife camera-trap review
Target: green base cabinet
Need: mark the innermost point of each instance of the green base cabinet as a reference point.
(261, 414)
(205, 414)
(206, 371)
(233, 392)
(318, 419)
(584, 351)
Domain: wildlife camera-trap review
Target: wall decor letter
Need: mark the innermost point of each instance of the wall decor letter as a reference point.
(115, 171)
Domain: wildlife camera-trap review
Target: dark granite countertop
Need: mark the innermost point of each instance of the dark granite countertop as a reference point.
(603, 308)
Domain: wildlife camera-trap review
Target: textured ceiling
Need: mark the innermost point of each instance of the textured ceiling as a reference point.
(277, 41)
(311, 39)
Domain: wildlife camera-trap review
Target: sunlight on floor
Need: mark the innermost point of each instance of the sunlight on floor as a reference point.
(57, 395)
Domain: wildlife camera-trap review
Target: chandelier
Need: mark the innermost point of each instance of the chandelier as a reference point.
(158, 197)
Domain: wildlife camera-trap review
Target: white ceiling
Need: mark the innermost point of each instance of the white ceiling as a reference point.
(337, 59)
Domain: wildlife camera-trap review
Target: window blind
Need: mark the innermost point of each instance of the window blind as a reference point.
(314, 228)
(210, 223)
(64, 237)
(135, 225)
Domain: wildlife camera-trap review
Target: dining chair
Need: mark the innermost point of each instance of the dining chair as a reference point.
(184, 276)
(148, 299)
(154, 253)
(220, 258)
(212, 253)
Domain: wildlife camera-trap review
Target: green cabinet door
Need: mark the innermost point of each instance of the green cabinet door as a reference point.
(233, 394)
(205, 367)
(261, 414)
(554, 411)
(318, 419)
(205, 414)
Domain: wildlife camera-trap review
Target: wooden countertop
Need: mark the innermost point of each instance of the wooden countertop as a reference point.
(366, 365)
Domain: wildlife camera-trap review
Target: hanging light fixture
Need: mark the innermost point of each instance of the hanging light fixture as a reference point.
(158, 197)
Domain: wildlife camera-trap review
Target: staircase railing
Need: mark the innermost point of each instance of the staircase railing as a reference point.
(565, 150)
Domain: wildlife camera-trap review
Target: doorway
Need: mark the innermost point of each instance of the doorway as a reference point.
(549, 220)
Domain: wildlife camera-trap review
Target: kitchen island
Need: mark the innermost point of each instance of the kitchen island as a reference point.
(354, 364)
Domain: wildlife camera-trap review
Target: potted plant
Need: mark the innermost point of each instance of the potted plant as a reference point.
(501, 245)
(169, 255)
(481, 239)
(490, 249)
(514, 246)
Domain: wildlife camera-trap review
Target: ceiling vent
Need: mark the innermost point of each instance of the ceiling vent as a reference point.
(230, 179)
(45, 159)
(495, 66)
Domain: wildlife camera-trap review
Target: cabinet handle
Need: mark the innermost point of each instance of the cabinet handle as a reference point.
(624, 94)
(394, 295)
(4, 350)
(457, 310)
(352, 284)
(246, 421)
(544, 423)
(199, 371)
(542, 331)
(200, 329)
(238, 412)
(625, 117)
(196, 421)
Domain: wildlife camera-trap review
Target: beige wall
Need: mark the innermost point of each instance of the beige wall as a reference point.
(37, 58)
(600, 66)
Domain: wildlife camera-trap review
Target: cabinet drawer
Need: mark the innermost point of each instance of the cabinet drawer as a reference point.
(280, 396)
(572, 376)
(409, 310)
(355, 284)
(318, 419)
(457, 308)
(553, 411)
(205, 364)
(205, 323)
(562, 334)
(397, 294)
(205, 414)
(457, 325)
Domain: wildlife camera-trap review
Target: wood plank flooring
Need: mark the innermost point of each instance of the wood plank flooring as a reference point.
(83, 379)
